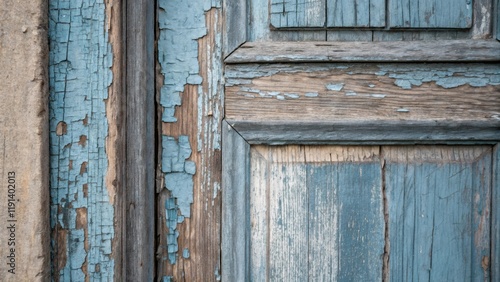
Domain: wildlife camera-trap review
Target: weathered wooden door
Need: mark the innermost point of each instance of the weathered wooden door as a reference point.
(370, 156)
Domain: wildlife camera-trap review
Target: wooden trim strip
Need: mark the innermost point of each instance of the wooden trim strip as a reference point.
(236, 206)
(494, 262)
(391, 51)
(138, 247)
(235, 24)
(369, 132)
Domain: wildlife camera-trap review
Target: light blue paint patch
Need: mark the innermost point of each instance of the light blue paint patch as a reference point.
(280, 97)
(351, 93)
(403, 110)
(335, 86)
(447, 76)
(312, 94)
(185, 253)
(80, 63)
(179, 174)
(167, 279)
(292, 95)
(381, 96)
(178, 48)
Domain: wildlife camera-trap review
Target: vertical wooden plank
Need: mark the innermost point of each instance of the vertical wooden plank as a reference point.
(24, 146)
(495, 213)
(235, 212)
(189, 84)
(259, 206)
(288, 236)
(297, 13)
(323, 225)
(361, 222)
(83, 129)
(235, 24)
(439, 200)
(140, 165)
(431, 14)
(358, 13)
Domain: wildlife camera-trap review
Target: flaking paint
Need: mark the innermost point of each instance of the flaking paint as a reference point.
(80, 62)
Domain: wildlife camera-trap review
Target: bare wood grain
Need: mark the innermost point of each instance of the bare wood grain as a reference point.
(199, 118)
(235, 212)
(138, 248)
(362, 92)
(417, 51)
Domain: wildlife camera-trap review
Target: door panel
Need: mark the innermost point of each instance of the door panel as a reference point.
(320, 213)
(439, 206)
(361, 13)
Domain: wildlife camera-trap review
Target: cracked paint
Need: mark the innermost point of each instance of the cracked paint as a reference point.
(80, 74)
(449, 77)
(179, 172)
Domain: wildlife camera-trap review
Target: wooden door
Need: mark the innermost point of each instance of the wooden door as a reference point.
(374, 159)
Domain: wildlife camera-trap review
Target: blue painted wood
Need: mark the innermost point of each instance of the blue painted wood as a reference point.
(358, 13)
(325, 218)
(82, 214)
(297, 13)
(438, 204)
(430, 13)
(495, 211)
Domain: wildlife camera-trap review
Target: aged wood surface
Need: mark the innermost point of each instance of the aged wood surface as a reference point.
(235, 245)
(235, 25)
(311, 206)
(24, 149)
(418, 51)
(139, 230)
(300, 13)
(494, 262)
(83, 135)
(363, 92)
(189, 179)
(431, 13)
(361, 13)
(439, 202)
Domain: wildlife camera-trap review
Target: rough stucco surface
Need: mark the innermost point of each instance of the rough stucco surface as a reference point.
(24, 141)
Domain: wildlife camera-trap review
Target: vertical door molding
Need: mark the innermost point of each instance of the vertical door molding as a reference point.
(138, 244)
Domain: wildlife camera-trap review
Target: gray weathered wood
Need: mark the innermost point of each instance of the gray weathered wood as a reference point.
(324, 213)
(359, 13)
(439, 212)
(431, 13)
(495, 214)
(421, 51)
(235, 210)
(138, 246)
(235, 24)
(297, 13)
(367, 132)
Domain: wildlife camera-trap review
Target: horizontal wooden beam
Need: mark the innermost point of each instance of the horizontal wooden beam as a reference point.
(368, 132)
(393, 51)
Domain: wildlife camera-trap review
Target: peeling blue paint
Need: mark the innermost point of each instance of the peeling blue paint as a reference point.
(179, 172)
(167, 279)
(448, 76)
(178, 48)
(80, 74)
(185, 253)
(335, 86)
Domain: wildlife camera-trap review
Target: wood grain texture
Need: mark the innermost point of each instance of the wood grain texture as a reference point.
(359, 13)
(363, 92)
(439, 212)
(198, 118)
(323, 206)
(139, 251)
(259, 26)
(235, 24)
(300, 13)
(431, 14)
(235, 213)
(495, 214)
(419, 51)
